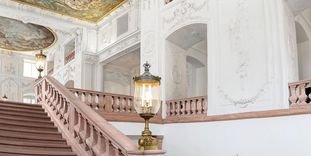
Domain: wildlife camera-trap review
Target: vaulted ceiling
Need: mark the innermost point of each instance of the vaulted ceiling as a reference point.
(86, 10)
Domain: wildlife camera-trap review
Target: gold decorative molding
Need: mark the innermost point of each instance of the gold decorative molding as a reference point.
(87, 10)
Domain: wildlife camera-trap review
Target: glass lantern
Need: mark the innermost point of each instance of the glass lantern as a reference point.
(147, 103)
(40, 63)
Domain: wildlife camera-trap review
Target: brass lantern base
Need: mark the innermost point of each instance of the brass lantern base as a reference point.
(40, 71)
(146, 141)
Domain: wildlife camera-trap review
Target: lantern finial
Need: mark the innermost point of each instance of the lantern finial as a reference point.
(147, 66)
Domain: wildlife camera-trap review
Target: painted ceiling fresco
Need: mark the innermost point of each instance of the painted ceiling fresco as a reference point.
(87, 10)
(18, 36)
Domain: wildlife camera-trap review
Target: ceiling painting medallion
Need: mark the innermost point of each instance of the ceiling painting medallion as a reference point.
(87, 10)
(18, 36)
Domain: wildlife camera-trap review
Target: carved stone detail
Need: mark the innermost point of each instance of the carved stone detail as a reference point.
(183, 11)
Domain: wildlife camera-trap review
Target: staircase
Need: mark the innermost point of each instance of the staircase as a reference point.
(26, 130)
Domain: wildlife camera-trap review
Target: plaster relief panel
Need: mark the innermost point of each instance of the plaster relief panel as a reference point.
(10, 88)
(184, 12)
(243, 67)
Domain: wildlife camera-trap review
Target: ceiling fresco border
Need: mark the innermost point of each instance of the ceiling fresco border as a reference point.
(93, 20)
(49, 30)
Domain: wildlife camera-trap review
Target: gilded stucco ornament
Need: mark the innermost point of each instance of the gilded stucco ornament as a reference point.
(87, 10)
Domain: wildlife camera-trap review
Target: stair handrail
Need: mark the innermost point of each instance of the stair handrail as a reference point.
(82, 121)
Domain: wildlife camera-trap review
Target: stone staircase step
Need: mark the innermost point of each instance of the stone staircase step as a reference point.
(26, 120)
(28, 124)
(26, 130)
(12, 109)
(9, 149)
(21, 142)
(18, 128)
(22, 106)
(29, 135)
(24, 115)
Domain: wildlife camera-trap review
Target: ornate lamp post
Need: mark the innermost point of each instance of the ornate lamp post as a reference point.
(40, 63)
(147, 103)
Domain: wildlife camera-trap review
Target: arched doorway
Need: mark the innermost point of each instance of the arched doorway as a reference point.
(186, 62)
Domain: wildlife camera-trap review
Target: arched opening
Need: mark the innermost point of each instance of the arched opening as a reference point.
(186, 62)
(119, 73)
(304, 52)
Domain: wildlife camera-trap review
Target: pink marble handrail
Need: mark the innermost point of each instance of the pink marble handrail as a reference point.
(187, 107)
(114, 107)
(87, 132)
(70, 57)
(298, 94)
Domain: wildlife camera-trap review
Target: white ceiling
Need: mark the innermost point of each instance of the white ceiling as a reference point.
(189, 35)
(127, 62)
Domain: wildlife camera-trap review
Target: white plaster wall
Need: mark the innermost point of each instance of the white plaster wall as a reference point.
(279, 136)
(304, 55)
(247, 53)
(12, 81)
(176, 72)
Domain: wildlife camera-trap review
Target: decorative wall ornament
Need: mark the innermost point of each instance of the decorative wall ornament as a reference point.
(149, 45)
(10, 88)
(119, 46)
(243, 102)
(66, 73)
(146, 4)
(176, 74)
(240, 34)
(18, 36)
(87, 10)
(91, 59)
(9, 67)
(183, 11)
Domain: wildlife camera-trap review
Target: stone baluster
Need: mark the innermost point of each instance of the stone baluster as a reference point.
(303, 96)
(168, 108)
(108, 103)
(188, 107)
(100, 146)
(199, 106)
(204, 101)
(101, 105)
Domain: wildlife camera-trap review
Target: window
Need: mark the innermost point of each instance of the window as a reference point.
(29, 99)
(30, 69)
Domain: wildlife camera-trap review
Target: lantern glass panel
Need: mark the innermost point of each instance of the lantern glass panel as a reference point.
(147, 96)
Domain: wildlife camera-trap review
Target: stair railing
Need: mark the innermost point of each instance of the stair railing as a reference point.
(86, 131)
(300, 93)
(113, 107)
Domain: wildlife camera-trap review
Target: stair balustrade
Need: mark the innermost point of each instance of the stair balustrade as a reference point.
(186, 109)
(113, 107)
(86, 131)
(300, 93)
